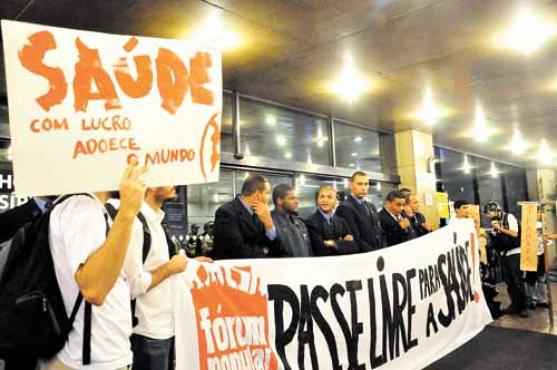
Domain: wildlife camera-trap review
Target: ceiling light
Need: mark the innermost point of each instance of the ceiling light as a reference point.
(378, 186)
(216, 198)
(493, 172)
(281, 140)
(270, 120)
(214, 33)
(288, 155)
(354, 154)
(518, 145)
(352, 165)
(545, 155)
(527, 33)
(466, 167)
(429, 113)
(350, 83)
(358, 139)
(480, 132)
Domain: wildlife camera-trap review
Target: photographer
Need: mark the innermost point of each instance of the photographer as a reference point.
(505, 239)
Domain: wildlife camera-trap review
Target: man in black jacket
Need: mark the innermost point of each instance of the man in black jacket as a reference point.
(292, 232)
(417, 219)
(395, 227)
(361, 216)
(328, 232)
(244, 227)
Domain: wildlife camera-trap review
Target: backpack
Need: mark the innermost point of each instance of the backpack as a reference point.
(33, 319)
(504, 243)
(147, 241)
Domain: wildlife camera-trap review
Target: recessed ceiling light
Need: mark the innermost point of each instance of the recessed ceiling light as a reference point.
(352, 165)
(350, 83)
(354, 154)
(518, 145)
(214, 32)
(527, 33)
(429, 112)
(480, 131)
(281, 140)
(358, 139)
(288, 155)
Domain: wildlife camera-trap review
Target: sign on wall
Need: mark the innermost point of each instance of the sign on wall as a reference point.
(400, 308)
(82, 103)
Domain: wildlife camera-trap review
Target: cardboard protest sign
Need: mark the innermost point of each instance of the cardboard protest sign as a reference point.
(402, 307)
(82, 103)
(529, 237)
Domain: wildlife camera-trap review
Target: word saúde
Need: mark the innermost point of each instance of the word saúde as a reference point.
(173, 78)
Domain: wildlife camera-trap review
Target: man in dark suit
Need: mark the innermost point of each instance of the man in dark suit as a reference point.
(362, 216)
(328, 232)
(417, 220)
(292, 232)
(243, 227)
(395, 226)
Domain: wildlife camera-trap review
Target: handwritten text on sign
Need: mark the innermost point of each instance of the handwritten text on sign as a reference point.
(82, 103)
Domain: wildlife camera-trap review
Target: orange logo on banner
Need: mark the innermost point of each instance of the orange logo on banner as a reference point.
(232, 320)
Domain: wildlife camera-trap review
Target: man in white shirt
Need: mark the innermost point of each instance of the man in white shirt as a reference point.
(505, 239)
(90, 262)
(153, 336)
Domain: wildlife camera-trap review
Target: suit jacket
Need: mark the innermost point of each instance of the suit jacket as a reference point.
(394, 234)
(238, 235)
(319, 231)
(363, 222)
(292, 234)
(417, 222)
(13, 219)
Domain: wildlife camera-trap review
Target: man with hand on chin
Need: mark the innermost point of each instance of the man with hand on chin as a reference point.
(244, 227)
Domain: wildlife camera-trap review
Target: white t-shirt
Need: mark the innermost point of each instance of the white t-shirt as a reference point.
(154, 309)
(513, 226)
(77, 229)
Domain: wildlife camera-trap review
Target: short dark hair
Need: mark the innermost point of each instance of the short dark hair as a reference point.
(407, 192)
(254, 183)
(395, 194)
(459, 203)
(280, 191)
(356, 174)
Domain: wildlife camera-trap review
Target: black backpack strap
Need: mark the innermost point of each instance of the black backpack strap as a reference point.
(111, 210)
(146, 235)
(173, 247)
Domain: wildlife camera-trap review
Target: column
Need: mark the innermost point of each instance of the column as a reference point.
(414, 151)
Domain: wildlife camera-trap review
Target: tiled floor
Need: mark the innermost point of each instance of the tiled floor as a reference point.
(538, 320)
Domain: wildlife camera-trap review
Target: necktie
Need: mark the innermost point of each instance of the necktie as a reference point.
(256, 221)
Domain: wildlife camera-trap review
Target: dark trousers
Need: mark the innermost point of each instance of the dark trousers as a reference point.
(510, 266)
(152, 354)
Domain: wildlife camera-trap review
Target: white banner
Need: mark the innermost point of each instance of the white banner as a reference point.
(82, 103)
(402, 307)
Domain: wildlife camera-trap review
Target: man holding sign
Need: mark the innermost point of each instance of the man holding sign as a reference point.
(88, 260)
